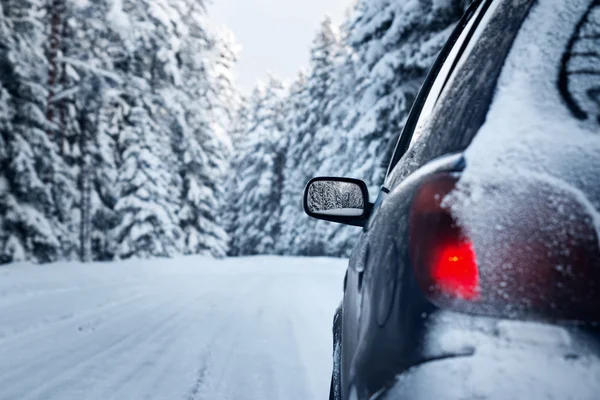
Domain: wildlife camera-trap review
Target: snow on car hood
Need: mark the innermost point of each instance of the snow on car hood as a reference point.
(531, 137)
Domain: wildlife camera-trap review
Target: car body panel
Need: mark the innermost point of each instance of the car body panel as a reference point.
(382, 302)
(502, 359)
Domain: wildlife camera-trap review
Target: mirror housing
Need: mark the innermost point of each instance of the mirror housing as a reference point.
(340, 200)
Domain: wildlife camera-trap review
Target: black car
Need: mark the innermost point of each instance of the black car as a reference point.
(477, 273)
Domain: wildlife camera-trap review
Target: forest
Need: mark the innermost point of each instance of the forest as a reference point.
(123, 132)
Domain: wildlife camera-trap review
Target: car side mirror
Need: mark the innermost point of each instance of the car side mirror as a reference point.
(341, 200)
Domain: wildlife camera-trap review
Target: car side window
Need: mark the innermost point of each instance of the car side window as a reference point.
(459, 99)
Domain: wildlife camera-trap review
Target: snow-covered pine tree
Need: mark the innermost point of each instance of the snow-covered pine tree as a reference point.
(172, 54)
(201, 105)
(86, 103)
(148, 201)
(297, 114)
(239, 127)
(311, 134)
(130, 99)
(11, 247)
(239, 123)
(224, 97)
(105, 191)
(259, 176)
(148, 183)
(199, 215)
(38, 190)
(339, 239)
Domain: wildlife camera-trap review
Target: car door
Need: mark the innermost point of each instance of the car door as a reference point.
(448, 112)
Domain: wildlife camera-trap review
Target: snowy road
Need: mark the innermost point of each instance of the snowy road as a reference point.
(190, 328)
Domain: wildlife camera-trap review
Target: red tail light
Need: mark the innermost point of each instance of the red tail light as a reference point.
(455, 270)
(546, 264)
(446, 260)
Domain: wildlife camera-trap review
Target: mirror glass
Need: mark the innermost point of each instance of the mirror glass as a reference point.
(336, 199)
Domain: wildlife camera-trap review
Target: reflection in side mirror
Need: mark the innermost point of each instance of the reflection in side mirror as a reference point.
(338, 199)
(341, 200)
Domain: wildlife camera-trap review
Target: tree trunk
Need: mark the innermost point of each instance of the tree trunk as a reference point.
(56, 11)
(84, 189)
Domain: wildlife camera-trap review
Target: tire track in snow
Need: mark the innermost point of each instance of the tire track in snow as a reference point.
(164, 356)
(57, 363)
(8, 337)
(80, 370)
(204, 373)
(197, 386)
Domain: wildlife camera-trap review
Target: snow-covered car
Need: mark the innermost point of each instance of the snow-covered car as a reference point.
(477, 273)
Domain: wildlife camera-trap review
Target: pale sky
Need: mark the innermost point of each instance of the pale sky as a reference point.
(275, 35)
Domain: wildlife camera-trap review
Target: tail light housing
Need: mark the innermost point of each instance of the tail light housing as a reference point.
(527, 267)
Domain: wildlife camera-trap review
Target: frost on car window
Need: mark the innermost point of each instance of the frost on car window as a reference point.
(580, 71)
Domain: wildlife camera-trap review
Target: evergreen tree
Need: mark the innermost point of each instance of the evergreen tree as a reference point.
(169, 60)
(38, 192)
(258, 185)
(105, 191)
(90, 98)
(205, 99)
(148, 187)
(311, 134)
(148, 200)
(294, 174)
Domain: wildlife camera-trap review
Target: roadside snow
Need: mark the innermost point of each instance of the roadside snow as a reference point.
(186, 328)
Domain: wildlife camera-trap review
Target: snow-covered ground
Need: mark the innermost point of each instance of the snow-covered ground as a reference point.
(187, 328)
